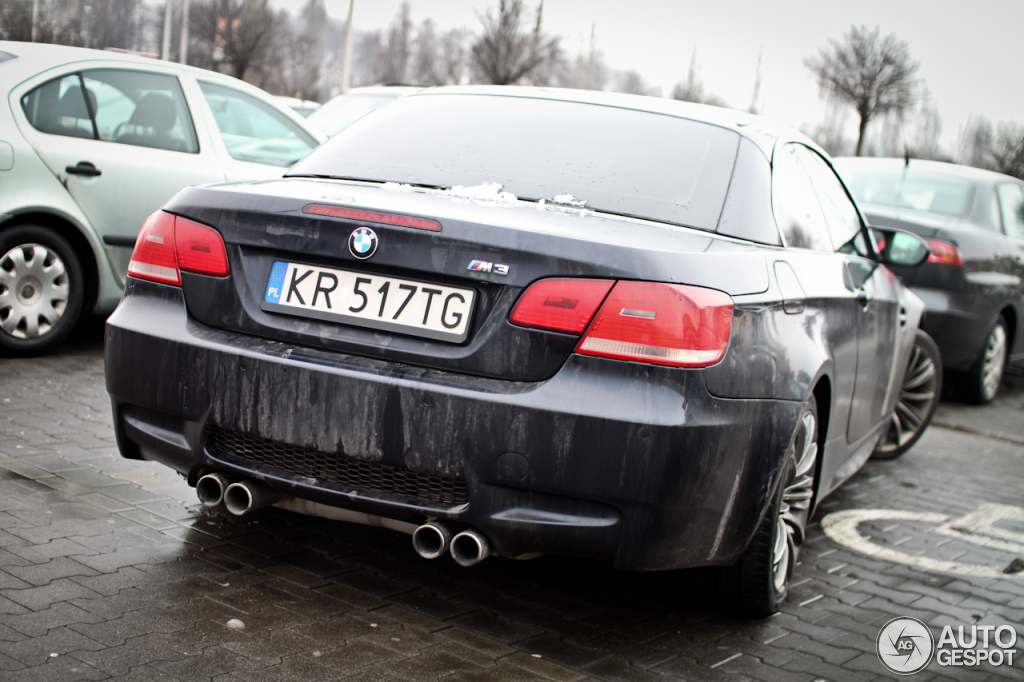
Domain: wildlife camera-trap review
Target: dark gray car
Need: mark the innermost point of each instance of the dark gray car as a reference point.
(972, 282)
(511, 321)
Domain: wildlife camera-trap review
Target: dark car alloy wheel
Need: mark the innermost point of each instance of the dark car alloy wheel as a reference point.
(760, 579)
(983, 379)
(40, 289)
(918, 399)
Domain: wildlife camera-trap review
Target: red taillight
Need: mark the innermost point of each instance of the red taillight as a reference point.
(167, 243)
(200, 248)
(561, 305)
(944, 253)
(373, 217)
(663, 324)
(154, 257)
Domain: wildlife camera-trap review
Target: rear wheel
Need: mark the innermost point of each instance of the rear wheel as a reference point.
(759, 581)
(41, 289)
(919, 396)
(982, 381)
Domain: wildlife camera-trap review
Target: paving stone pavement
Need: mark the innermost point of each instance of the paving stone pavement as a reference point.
(110, 569)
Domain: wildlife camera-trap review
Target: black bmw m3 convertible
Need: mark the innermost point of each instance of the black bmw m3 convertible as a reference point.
(511, 321)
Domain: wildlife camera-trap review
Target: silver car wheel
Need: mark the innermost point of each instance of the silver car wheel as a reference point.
(34, 290)
(993, 361)
(918, 393)
(796, 502)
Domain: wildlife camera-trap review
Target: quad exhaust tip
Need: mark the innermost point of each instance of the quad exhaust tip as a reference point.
(210, 489)
(245, 497)
(470, 547)
(432, 539)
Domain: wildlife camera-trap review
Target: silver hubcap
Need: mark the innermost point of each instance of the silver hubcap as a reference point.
(995, 358)
(917, 394)
(34, 290)
(796, 501)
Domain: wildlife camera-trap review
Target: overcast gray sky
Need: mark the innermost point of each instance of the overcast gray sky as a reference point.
(969, 51)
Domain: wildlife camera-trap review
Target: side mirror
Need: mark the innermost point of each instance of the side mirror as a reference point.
(899, 247)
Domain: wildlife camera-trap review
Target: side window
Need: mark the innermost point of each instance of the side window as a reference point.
(58, 108)
(1011, 207)
(840, 213)
(253, 130)
(795, 202)
(141, 109)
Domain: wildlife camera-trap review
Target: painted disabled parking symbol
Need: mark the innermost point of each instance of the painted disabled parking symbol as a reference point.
(994, 537)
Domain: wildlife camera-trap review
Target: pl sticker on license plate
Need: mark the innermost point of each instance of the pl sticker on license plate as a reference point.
(424, 309)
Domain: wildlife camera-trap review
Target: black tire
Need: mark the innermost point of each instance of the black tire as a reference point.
(41, 290)
(759, 582)
(920, 391)
(981, 382)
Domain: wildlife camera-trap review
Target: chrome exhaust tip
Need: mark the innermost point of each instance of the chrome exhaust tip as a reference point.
(210, 489)
(245, 497)
(432, 539)
(470, 547)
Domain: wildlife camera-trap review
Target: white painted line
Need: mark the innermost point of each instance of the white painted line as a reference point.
(841, 527)
(726, 660)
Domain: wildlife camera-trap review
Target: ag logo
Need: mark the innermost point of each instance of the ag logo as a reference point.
(905, 646)
(362, 243)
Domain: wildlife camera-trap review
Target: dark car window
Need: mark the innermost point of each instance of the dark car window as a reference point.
(910, 187)
(840, 214)
(58, 107)
(142, 109)
(1011, 208)
(795, 202)
(616, 160)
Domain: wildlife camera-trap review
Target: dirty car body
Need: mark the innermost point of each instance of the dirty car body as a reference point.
(604, 439)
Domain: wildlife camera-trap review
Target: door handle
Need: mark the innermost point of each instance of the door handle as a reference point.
(84, 168)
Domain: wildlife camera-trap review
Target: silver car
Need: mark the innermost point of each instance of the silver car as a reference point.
(91, 143)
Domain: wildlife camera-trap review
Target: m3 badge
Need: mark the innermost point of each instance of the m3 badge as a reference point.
(486, 266)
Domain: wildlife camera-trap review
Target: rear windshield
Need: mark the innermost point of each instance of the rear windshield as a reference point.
(920, 190)
(616, 160)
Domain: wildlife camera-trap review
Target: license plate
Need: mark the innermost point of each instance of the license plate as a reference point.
(425, 309)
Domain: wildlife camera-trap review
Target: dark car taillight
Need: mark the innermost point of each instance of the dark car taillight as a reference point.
(944, 253)
(561, 305)
(168, 244)
(663, 324)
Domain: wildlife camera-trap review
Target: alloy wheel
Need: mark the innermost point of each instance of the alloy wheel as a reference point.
(796, 502)
(34, 290)
(993, 361)
(917, 397)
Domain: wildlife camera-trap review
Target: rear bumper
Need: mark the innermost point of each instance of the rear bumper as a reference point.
(622, 462)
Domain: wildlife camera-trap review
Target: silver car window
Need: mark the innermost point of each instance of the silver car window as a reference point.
(253, 130)
(142, 109)
(1011, 208)
(58, 107)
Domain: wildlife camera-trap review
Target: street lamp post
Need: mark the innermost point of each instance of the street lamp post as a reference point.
(346, 57)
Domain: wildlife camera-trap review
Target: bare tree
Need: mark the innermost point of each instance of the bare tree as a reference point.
(1007, 150)
(440, 59)
(874, 75)
(631, 83)
(975, 142)
(230, 35)
(507, 52)
(692, 89)
(399, 47)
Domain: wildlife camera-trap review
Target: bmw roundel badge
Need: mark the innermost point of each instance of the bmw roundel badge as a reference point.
(362, 243)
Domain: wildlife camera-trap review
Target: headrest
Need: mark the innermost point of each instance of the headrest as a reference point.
(156, 110)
